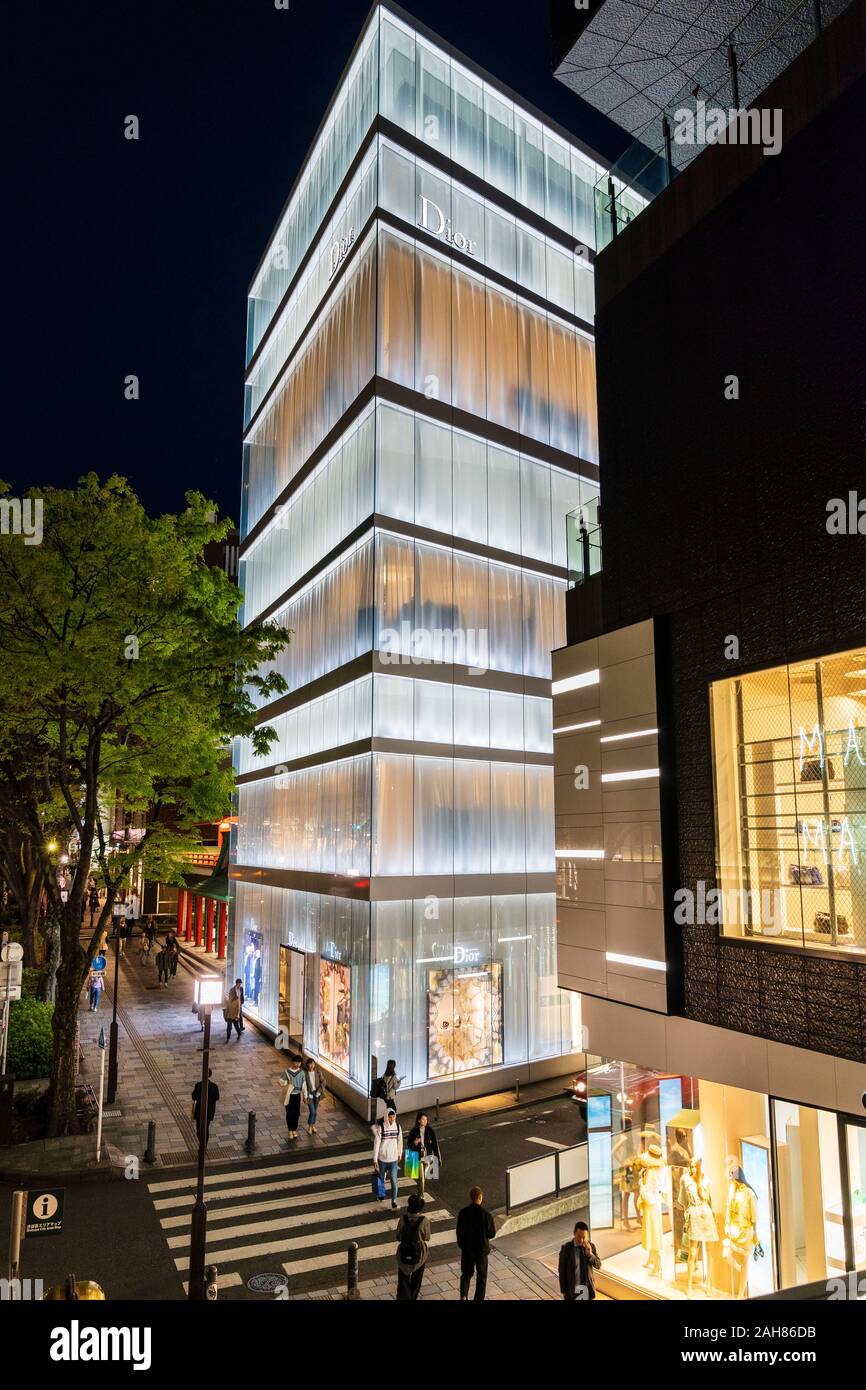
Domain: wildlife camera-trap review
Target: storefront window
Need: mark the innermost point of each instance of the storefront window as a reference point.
(811, 1209)
(681, 1184)
(789, 750)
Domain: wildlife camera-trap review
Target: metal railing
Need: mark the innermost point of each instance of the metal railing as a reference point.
(549, 1175)
(583, 547)
(735, 74)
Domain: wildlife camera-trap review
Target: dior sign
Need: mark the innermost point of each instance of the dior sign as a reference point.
(340, 250)
(433, 219)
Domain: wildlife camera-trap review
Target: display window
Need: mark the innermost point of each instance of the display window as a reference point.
(789, 755)
(335, 1012)
(699, 1190)
(464, 1019)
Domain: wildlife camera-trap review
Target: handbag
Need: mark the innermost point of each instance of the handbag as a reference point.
(411, 1163)
(378, 1186)
(288, 1088)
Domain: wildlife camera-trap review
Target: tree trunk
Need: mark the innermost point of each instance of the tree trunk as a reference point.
(47, 987)
(65, 1062)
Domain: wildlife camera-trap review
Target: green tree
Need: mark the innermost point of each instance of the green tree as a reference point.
(126, 676)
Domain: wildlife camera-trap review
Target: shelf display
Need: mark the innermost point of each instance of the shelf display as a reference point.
(464, 1020)
(252, 966)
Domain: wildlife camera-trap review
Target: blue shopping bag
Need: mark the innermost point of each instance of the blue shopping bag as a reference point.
(379, 1187)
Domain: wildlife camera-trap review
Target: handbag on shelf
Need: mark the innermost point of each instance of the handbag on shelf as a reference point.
(808, 875)
(823, 925)
(812, 770)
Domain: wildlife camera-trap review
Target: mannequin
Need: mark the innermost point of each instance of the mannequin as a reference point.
(649, 1201)
(699, 1225)
(741, 1228)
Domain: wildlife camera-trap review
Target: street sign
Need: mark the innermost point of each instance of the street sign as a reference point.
(11, 976)
(12, 951)
(98, 963)
(44, 1211)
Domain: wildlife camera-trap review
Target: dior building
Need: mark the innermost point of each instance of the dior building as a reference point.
(419, 422)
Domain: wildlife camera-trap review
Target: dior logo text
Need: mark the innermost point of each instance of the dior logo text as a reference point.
(340, 250)
(433, 219)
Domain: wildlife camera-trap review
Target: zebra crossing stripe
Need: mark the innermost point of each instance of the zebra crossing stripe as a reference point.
(229, 1253)
(367, 1252)
(246, 1174)
(287, 1185)
(290, 1223)
(224, 1281)
(256, 1208)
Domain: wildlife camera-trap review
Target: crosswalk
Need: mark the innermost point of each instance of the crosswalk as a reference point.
(295, 1218)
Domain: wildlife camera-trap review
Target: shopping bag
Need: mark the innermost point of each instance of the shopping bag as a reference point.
(378, 1187)
(432, 1168)
(411, 1163)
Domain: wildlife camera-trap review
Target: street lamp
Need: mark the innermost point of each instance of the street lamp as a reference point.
(208, 992)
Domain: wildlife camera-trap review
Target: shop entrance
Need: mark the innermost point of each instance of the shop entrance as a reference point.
(293, 978)
(853, 1148)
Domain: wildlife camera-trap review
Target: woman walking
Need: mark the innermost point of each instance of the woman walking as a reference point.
(413, 1240)
(315, 1083)
(389, 1085)
(422, 1139)
(97, 985)
(294, 1091)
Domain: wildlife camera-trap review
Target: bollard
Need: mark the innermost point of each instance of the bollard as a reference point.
(211, 1284)
(251, 1132)
(150, 1151)
(517, 1089)
(352, 1290)
(437, 1110)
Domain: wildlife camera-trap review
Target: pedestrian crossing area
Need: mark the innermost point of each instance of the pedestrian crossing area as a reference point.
(294, 1218)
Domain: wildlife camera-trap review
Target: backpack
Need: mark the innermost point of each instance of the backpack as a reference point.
(410, 1250)
(379, 1092)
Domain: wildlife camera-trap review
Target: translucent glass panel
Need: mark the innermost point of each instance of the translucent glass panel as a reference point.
(434, 603)
(415, 191)
(455, 482)
(461, 339)
(331, 619)
(789, 750)
(317, 819)
(437, 712)
(334, 936)
(335, 242)
(447, 816)
(335, 362)
(329, 504)
(434, 97)
(344, 129)
(342, 716)
(458, 985)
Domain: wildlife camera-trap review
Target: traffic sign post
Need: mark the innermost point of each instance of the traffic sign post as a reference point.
(44, 1215)
(11, 974)
(16, 1231)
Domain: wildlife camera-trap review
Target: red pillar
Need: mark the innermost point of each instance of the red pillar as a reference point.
(209, 942)
(222, 932)
(188, 931)
(180, 898)
(198, 907)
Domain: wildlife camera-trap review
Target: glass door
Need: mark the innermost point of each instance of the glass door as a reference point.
(292, 980)
(855, 1150)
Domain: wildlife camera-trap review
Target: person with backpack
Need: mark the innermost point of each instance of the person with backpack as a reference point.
(413, 1240)
(389, 1085)
(232, 1013)
(387, 1152)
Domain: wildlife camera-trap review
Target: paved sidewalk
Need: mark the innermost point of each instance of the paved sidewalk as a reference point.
(160, 1061)
(507, 1281)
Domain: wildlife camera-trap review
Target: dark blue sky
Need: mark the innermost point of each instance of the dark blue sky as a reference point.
(135, 257)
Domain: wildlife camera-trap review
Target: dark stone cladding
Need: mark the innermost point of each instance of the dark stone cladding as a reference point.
(715, 511)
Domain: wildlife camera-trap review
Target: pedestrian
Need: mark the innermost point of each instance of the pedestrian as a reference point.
(389, 1085)
(232, 1014)
(315, 1090)
(237, 990)
(413, 1240)
(294, 1091)
(97, 985)
(162, 966)
(578, 1261)
(213, 1095)
(388, 1150)
(172, 948)
(93, 902)
(422, 1139)
(475, 1230)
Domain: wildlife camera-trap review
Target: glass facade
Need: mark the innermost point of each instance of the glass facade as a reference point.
(789, 753)
(419, 421)
(700, 1190)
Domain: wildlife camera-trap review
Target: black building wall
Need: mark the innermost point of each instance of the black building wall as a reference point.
(714, 510)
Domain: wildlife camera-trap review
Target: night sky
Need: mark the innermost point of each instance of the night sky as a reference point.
(135, 257)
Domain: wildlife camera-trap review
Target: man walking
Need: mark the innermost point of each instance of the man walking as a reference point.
(388, 1150)
(213, 1095)
(578, 1261)
(232, 1013)
(475, 1230)
(237, 992)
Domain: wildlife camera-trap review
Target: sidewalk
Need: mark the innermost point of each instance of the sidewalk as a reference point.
(160, 1061)
(507, 1281)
